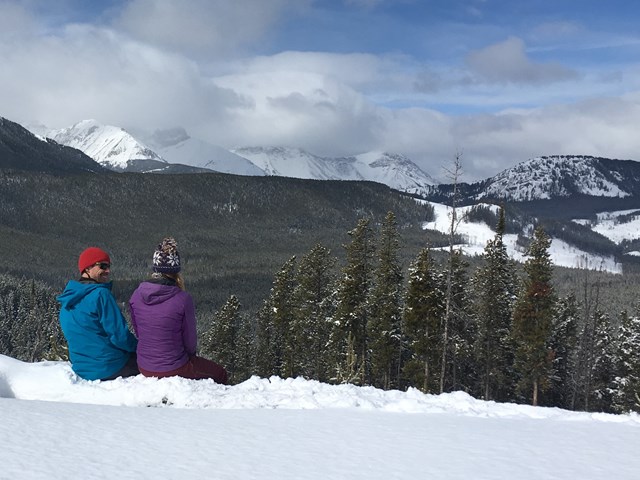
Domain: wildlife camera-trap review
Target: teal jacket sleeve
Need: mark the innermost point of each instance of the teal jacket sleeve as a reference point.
(114, 323)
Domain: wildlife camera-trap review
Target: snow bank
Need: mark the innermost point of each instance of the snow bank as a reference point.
(56, 382)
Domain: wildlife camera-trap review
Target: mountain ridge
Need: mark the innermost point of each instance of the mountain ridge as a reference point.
(22, 150)
(121, 150)
(566, 193)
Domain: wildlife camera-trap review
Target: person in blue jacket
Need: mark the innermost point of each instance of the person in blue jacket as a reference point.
(101, 347)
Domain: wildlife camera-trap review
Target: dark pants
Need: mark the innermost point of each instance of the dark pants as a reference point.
(129, 370)
(196, 368)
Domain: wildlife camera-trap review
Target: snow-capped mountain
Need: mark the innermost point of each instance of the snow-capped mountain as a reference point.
(396, 171)
(121, 150)
(176, 146)
(543, 178)
(24, 150)
(108, 145)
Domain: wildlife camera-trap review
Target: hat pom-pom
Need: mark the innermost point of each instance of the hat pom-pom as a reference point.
(168, 245)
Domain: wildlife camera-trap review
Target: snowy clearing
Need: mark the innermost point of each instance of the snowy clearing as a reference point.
(55, 425)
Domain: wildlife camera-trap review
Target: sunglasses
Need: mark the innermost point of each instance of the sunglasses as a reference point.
(104, 266)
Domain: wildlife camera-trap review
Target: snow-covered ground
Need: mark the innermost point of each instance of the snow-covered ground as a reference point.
(478, 234)
(54, 425)
(609, 226)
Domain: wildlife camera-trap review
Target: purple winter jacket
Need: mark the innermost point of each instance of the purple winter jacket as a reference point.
(163, 317)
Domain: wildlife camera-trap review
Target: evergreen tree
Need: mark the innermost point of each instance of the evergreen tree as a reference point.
(245, 345)
(602, 371)
(353, 309)
(495, 289)
(461, 366)
(5, 323)
(315, 303)
(586, 354)
(276, 334)
(284, 306)
(29, 327)
(385, 325)
(532, 319)
(563, 344)
(220, 342)
(266, 360)
(626, 395)
(424, 308)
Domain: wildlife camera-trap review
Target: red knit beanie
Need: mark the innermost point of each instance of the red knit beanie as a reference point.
(91, 256)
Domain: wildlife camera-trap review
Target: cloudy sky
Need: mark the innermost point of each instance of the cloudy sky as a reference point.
(498, 81)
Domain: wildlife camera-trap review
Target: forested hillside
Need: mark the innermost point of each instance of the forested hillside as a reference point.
(234, 232)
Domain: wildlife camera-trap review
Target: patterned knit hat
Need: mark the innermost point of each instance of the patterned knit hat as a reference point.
(166, 258)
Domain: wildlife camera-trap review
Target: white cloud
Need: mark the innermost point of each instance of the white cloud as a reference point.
(507, 62)
(202, 28)
(16, 22)
(88, 72)
(300, 109)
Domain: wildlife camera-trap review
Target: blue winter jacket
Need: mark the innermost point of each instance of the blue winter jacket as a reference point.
(100, 342)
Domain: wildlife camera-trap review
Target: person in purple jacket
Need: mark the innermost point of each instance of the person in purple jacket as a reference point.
(164, 320)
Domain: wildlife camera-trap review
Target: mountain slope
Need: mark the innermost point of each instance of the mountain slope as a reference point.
(176, 146)
(120, 150)
(110, 146)
(20, 149)
(396, 171)
(552, 178)
(544, 178)
(116, 149)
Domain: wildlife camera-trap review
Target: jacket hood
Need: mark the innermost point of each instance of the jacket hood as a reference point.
(155, 293)
(75, 291)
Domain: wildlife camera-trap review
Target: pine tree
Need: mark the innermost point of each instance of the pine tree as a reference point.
(424, 308)
(563, 343)
(315, 308)
(532, 319)
(29, 320)
(245, 345)
(266, 360)
(7, 320)
(276, 334)
(385, 325)
(353, 309)
(626, 395)
(602, 375)
(495, 288)
(585, 352)
(284, 306)
(461, 366)
(220, 342)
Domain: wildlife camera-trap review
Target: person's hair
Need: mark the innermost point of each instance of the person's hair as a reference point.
(177, 277)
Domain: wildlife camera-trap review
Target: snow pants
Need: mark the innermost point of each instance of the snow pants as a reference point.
(196, 368)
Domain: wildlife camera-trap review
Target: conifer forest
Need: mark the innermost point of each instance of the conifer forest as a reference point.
(489, 327)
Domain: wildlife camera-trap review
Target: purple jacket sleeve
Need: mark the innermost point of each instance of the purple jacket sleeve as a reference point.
(134, 324)
(189, 333)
